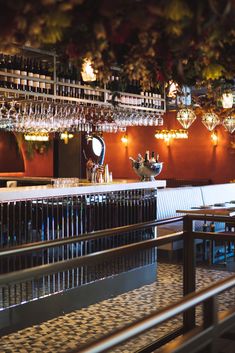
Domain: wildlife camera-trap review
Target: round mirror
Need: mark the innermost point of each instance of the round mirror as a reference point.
(96, 146)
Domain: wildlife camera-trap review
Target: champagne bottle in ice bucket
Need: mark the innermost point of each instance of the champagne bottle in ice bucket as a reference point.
(147, 168)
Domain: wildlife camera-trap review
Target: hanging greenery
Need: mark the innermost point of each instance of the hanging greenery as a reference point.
(33, 147)
(152, 41)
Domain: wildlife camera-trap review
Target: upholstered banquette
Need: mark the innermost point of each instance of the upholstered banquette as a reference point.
(171, 199)
(168, 201)
(218, 193)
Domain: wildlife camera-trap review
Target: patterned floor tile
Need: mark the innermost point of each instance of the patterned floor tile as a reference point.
(80, 326)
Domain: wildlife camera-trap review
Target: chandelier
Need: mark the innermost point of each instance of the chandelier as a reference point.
(210, 120)
(168, 135)
(36, 137)
(186, 117)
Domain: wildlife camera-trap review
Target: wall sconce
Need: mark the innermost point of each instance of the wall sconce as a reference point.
(124, 140)
(36, 137)
(89, 138)
(214, 138)
(88, 74)
(168, 135)
(66, 136)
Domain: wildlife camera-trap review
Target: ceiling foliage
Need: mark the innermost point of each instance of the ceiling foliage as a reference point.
(152, 41)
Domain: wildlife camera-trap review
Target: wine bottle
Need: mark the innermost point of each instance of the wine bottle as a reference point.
(79, 91)
(10, 80)
(146, 100)
(142, 99)
(212, 227)
(42, 76)
(3, 67)
(205, 226)
(73, 81)
(140, 159)
(153, 160)
(68, 80)
(16, 71)
(146, 159)
(48, 76)
(23, 72)
(30, 74)
(61, 76)
(36, 74)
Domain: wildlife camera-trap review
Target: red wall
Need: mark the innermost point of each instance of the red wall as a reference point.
(11, 159)
(194, 158)
(14, 162)
(40, 165)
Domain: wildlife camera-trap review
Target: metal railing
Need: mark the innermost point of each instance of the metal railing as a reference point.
(194, 338)
(90, 259)
(44, 220)
(26, 285)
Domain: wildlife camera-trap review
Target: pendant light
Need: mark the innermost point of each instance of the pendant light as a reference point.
(186, 117)
(88, 74)
(210, 120)
(227, 100)
(229, 123)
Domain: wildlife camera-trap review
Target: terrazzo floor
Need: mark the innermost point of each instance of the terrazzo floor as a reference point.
(64, 333)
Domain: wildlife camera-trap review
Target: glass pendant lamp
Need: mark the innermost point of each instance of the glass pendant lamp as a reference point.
(229, 123)
(210, 120)
(186, 117)
(227, 100)
(88, 74)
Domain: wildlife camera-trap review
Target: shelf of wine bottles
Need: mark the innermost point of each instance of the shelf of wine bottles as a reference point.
(45, 78)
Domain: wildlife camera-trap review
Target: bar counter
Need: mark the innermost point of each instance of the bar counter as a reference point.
(39, 191)
(33, 214)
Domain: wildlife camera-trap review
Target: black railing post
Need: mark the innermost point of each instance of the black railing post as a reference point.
(189, 275)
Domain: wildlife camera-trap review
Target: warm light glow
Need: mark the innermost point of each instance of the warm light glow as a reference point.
(214, 138)
(66, 136)
(87, 72)
(89, 138)
(168, 135)
(210, 120)
(173, 87)
(36, 137)
(229, 123)
(227, 100)
(186, 117)
(124, 140)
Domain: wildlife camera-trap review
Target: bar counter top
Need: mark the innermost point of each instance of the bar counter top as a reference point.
(41, 191)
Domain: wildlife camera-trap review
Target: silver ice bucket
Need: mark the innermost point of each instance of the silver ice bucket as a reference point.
(147, 171)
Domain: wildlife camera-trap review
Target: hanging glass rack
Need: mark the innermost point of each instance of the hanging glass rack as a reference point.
(96, 107)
